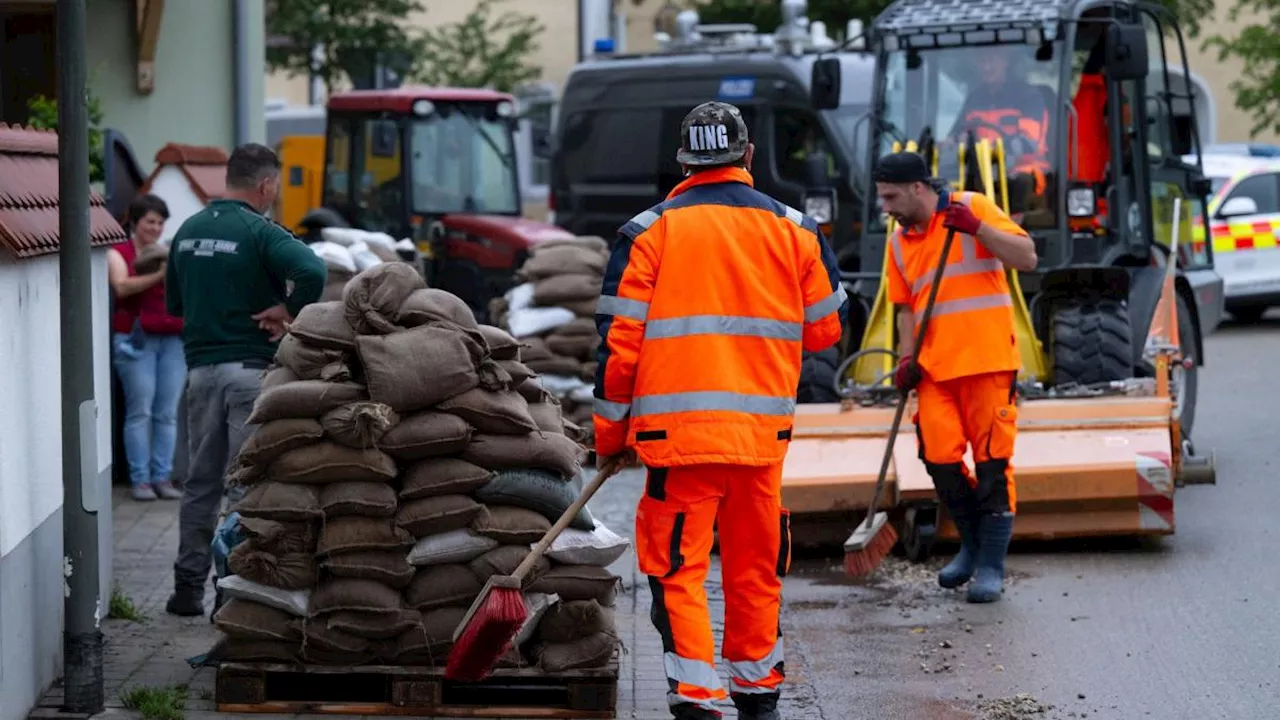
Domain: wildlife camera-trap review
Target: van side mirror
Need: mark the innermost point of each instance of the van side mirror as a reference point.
(1127, 52)
(824, 85)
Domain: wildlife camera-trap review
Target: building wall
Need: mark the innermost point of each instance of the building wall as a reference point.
(1233, 123)
(194, 97)
(31, 553)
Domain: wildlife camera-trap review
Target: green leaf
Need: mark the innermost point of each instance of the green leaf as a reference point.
(346, 29)
(481, 50)
(1257, 48)
(42, 114)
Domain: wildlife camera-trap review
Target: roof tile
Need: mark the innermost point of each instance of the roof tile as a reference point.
(205, 168)
(29, 196)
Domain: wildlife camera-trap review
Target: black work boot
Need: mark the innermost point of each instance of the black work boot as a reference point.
(186, 602)
(754, 706)
(689, 711)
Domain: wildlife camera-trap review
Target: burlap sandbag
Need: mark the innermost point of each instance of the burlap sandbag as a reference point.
(354, 534)
(366, 499)
(442, 586)
(319, 636)
(281, 501)
(351, 595)
(334, 289)
(582, 308)
(276, 376)
(501, 345)
(359, 424)
(431, 305)
(326, 462)
(582, 327)
(150, 258)
(537, 490)
(500, 413)
(324, 325)
(593, 651)
(274, 536)
(430, 646)
(435, 515)
(415, 369)
(373, 298)
(557, 365)
(595, 243)
(292, 571)
(589, 371)
(533, 392)
(312, 363)
(313, 655)
(548, 417)
(564, 259)
(570, 620)
(304, 399)
(389, 567)
(424, 435)
(230, 649)
(375, 626)
(578, 347)
(579, 582)
(246, 620)
(559, 289)
(534, 348)
(577, 433)
(503, 560)
(548, 451)
(273, 439)
(511, 525)
(441, 476)
(518, 371)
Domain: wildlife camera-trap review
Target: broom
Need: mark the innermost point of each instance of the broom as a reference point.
(497, 614)
(872, 541)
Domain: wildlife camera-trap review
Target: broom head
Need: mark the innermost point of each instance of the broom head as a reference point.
(869, 545)
(486, 631)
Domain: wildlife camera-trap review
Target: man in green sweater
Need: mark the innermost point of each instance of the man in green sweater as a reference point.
(236, 278)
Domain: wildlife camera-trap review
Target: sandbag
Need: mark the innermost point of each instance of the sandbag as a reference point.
(503, 560)
(426, 434)
(558, 260)
(359, 424)
(375, 626)
(571, 620)
(373, 298)
(312, 363)
(589, 370)
(578, 347)
(518, 371)
(534, 348)
(500, 413)
(435, 515)
(275, 377)
(501, 345)
(593, 651)
(294, 602)
(579, 582)
(292, 571)
(280, 537)
(557, 365)
(537, 320)
(585, 308)
(416, 369)
(246, 620)
(535, 607)
(353, 534)
(535, 490)
(326, 462)
(595, 243)
(600, 547)
(233, 650)
(389, 567)
(346, 594)
(273, 439)
(431, 305)
(437, 638)
(553, 291)
(532, 391)
(313, 655)
(511, 525)
(537, 450)
(582, 327)
(367, 499)
(324, 325)
(441, 476)
(442, 586)
(455, 546)
(333, 288)
(304, 399)
(547, 416)
(280, 501)
(319, 636)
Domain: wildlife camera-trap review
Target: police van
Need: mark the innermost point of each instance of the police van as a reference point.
(617, 130)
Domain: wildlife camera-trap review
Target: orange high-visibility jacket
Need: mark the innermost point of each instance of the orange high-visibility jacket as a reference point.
(971, 330)
(707, 301)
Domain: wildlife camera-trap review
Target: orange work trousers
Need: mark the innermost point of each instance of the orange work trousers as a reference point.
(675, 522)
(978, 411)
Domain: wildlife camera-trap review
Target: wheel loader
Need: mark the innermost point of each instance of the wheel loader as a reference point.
(1110, 324)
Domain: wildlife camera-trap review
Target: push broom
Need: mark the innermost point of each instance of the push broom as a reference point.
(872, 541)
(497, 614)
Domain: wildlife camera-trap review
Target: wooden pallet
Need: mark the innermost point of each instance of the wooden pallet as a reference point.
(423, 691)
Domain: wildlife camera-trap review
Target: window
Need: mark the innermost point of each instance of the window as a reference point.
(1263, 189)
(537, 104)
(338, 166)
(380, 187)
(796, 133)
(613, 146)
(464, 160)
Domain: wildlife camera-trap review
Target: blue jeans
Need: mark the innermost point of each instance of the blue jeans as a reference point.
(152, 376)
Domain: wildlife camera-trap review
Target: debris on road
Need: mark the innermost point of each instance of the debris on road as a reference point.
(1022, 706)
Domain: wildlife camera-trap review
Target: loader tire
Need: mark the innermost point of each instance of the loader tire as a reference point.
(817, 377)
(1091, 343)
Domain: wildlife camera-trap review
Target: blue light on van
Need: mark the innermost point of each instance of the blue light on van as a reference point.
(604, 46)
(737, 88)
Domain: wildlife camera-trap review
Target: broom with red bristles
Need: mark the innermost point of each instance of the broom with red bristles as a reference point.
(874, 539)
(495, 618)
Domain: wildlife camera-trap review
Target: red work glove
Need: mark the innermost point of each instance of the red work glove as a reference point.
(907, 376)
(960, 218)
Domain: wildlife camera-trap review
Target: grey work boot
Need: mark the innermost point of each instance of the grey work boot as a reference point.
(185, 602)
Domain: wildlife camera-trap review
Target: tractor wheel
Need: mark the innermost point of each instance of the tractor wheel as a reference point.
(817, 377)
(1186, 378)
(1091, 343)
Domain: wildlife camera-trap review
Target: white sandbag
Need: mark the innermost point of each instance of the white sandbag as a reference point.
(334, 254)
(600, 547)
(406, 245)
(564, 385)
(346, 237)
(363, 256)
(520, 297)
(535, 321)
(455, 546)
(380, 238)
(584, 395)
(536, 604)
(294, 602)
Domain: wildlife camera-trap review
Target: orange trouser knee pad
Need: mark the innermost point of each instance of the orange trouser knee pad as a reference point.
(675, 525)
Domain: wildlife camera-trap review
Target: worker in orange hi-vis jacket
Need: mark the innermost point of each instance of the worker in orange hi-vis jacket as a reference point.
(708, 300)
(964, 374)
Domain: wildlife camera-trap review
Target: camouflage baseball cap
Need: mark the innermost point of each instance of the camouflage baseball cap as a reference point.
(713, 133)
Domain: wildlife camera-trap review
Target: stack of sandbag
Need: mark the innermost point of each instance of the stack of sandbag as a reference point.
(553, 315)
(348, 251)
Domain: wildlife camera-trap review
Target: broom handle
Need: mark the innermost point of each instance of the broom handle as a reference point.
(610, 469)
(921, 328)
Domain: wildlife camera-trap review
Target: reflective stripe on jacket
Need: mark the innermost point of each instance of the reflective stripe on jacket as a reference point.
(971, 330)
(708, 299)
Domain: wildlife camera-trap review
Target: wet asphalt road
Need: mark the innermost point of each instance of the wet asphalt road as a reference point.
(1182, 627)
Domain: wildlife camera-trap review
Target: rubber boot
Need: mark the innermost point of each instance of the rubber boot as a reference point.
(994, 532)
(960, 569)
(752, 706)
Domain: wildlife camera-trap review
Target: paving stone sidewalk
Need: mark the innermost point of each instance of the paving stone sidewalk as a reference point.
(154, 653)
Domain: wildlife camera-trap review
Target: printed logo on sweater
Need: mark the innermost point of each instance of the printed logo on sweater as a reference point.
(208, 248)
